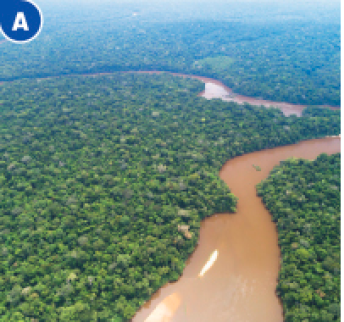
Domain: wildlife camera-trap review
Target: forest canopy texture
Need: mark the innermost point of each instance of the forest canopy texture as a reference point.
(104, 181)
(304, 199)
(256, 49)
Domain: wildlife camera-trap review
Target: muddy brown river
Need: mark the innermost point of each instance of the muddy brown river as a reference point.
(232, 275)
(216, 89)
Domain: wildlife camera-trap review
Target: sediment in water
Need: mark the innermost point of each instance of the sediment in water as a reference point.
(239, 284)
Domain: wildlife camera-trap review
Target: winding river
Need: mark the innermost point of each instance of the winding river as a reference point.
(216, 89)
(232, 275)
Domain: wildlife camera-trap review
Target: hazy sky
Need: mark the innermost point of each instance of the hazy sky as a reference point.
(184, 10)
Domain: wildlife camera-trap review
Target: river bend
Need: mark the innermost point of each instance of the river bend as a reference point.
(232, 275)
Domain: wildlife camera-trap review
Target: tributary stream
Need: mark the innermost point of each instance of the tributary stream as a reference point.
(232, 275)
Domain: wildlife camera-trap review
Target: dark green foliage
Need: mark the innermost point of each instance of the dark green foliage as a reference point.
(96, 174)
(315, 111)
(280, 59)
(304, 200)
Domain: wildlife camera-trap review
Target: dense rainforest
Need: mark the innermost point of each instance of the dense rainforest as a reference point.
(104, 181)
(254, 49)
(304, 199)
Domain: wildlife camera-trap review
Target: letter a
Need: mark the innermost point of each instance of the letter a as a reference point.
(20, 22)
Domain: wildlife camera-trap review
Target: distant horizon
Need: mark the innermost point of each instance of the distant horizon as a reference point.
(327, 10)
(189, 2)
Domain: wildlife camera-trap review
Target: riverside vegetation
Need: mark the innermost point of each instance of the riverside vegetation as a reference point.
(304, 199)
(279, 59)
(104, 182)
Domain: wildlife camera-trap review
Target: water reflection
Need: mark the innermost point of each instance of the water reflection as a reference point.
(216, 89)
(241, 286)
(166, 309)
(209, 263)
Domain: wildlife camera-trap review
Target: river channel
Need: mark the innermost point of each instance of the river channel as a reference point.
(216, 89)
(232, 275)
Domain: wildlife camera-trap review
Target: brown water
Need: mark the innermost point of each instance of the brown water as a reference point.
(232, 275)
(216, 89)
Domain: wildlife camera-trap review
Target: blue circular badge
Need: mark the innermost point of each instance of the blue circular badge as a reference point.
(20, 20)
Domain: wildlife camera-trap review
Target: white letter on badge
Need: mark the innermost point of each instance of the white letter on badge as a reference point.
(20, 22)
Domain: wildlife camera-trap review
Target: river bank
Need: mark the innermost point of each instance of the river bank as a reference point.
(240, 251)
(224, 288)
(216, 89)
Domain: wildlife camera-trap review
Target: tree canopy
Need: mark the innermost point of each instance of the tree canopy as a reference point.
(304, 199)
(104, 182)
(279, 58)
